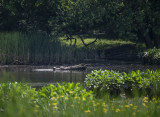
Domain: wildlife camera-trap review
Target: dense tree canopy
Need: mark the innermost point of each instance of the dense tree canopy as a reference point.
(137, 20)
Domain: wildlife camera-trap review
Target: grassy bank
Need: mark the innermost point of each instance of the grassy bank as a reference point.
(40, 48)
(101, 43)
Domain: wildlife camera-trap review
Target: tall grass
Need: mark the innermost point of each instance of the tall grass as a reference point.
(70, 100)
(38, 48)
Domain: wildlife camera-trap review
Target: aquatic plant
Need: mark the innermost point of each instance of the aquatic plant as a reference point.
(134, 83)
(68, 100)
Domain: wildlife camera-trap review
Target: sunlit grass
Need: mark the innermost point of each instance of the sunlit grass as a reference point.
(38, 48)
(99, 44)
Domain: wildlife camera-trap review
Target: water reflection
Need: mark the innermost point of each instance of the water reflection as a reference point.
(38, 77)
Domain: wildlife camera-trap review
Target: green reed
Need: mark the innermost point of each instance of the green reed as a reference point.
(38, 48)
(70, 100)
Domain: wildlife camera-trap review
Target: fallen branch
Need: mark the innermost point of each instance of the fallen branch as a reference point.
(88, 43)
(70, 38)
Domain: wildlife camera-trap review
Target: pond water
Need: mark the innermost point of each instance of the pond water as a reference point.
(42, 77)
(38, 76)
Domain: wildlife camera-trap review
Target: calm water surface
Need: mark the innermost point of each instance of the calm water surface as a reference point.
(41, 77)
(44, 75)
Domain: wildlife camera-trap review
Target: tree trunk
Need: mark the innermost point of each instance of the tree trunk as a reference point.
(147, 38)
(157, 40)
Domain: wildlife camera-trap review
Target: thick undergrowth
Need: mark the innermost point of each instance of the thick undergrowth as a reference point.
(139, 83)
(70, 100)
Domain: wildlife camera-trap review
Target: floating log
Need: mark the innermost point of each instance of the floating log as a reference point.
(75, 67)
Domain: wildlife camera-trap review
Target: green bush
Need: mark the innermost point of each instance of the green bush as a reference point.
(104, 81)
(115, 83)
(65, 89)
(151, 56)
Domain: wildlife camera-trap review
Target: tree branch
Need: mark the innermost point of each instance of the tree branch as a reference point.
(88, 43)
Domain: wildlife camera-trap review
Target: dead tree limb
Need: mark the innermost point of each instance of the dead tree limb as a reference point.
(88, 43)
(69, 37)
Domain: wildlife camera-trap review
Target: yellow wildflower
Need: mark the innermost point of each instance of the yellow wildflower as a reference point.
(146, 101)
(135, 107)
(53, 98)
(37, 106)
(98, 103)
(103, 104)
(153, 99)
(94, 104)
(66, 98)
(130, 104)
(145, 98)
(143, 104)
(71, 92)
(55, 107)
(62, 96)
(105, 110)
(84, 99)
(117, 110)
(87, 111)
(54, 104)
(127, 106)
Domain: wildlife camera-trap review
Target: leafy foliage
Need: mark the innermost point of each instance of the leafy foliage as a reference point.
(65, 89)
(138, 21)
(67, 100)
(104, 81)
(22, 100)
(151, 56)
(132, 84)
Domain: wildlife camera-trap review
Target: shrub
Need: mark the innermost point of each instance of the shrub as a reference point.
(139, 82)
(151, 56)
(67, 89)
(104, 81)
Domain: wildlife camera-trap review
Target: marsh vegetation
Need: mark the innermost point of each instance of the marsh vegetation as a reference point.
(40, 32)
